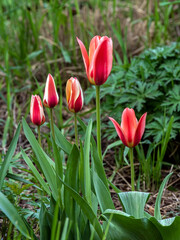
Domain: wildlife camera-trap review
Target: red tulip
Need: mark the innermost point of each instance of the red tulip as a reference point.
(74, 95)
(51, 97)
(130, 131)
(36, 111)
(98, 64)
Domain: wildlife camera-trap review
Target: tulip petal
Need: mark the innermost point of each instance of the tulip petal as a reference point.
(129, 125)
(119, 131)
(140, 129)
(84, 55)
(79, 102)
(92, 47)
(102, 61)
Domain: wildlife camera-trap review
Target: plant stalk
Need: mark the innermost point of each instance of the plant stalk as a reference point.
(76, 129)
(52, 124)
(132, 169)
(98, 122)
(39, 136)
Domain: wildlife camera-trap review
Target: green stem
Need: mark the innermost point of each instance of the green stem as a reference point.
(98, 122)
(52, 124)
(39, 136)
(76, 129)
(132, 169)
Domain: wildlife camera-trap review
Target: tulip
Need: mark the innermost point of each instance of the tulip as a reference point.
(130, 131)
(51, 97)
(74, 95)
(36, 111)
(98, 64)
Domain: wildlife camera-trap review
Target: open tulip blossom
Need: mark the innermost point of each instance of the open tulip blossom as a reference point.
(74, 95)
(36, 111)
(51, 97)
(130, 133)
(98, 64)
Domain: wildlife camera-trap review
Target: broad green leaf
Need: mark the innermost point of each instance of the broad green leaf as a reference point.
(87, 210)
(127, 228)
(43, 159)
(169, 228)
(134, 202)
(157, 213)
(8, 157)
(35, 172)
(103, 195)
(10, 211)
(61, 141)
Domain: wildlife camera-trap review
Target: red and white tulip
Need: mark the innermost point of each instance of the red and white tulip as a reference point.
(36, 111)
(74, 95)
(51, 97)
(98, 64)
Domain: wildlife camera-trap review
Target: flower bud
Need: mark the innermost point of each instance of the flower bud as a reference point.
(36, 111)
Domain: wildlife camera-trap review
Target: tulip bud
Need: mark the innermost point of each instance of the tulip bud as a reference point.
(36, 111)
(74, 95)
(51, 97)
(131, 131)
(98, 64)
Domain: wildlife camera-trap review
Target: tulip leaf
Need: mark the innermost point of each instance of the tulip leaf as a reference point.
(169, 228)
(102, 193)
(134, 202)
(35, 172)
(71, 178)
(125, 227)
(10, 211)
(8, 157)
(157, 213)
(87, 210)
(42, 157)
(61, 141)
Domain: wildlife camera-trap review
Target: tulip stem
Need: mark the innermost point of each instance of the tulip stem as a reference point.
(52, 124)
(132, 169)
(98, 122)
(39, 136)
(76, 129)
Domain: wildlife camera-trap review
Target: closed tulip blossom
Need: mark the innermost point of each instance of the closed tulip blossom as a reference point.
(98, 64)
(130, 131)
(36, 111)
(74, 95)
(51, 97)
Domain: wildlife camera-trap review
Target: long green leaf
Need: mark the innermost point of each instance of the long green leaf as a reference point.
(35, 172)
(87, 176)
(87, 210)
(43, 159)
(103, 195)
(157, 213)
(10, 211)
(8, 157)
(61, 141)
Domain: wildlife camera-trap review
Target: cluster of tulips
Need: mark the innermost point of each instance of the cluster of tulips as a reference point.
(98, 65)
